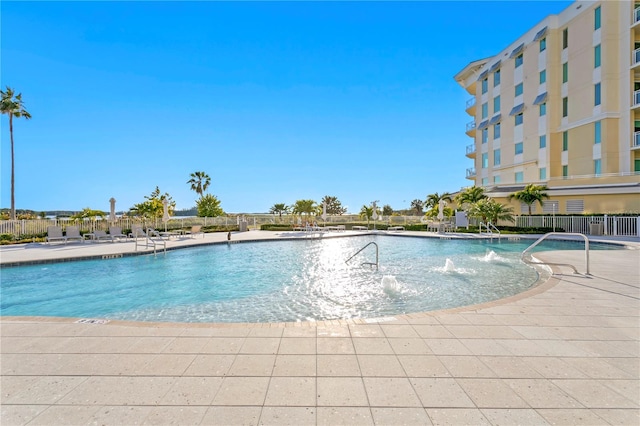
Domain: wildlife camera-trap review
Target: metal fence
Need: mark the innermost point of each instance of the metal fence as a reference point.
(591, 225)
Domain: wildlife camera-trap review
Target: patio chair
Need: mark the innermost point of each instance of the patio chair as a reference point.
(116, 233)
(99, 235)
(73, 233)
(137, 232)
(54, 233)
(195, 230)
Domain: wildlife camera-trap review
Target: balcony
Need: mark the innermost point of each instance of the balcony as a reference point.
(636, 99)
(471, 173)
(471, 151)
(470, 107)
(636, 140)
(635, 58)
(636, 15)
(471, 128)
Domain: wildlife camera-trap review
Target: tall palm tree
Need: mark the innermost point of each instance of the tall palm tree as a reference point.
(278, 209)
(470, 196)
(530, 194)
(433, 200)
(13, 106)
(305, 206)
(367, 213)
(199, 182)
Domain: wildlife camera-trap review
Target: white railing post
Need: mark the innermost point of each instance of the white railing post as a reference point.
(615, 226)
(606, 225)
(638, 226)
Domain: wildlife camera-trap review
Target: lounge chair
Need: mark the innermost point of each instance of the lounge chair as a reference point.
(99, 235)
(137, 232)
(116, 233)
(73, 233)
(54, 233)
(195, 230)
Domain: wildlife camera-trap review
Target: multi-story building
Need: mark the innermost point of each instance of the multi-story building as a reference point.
(560, 107)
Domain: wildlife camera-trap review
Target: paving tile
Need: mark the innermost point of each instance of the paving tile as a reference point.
(293, 416)
(373, 346)
(231, 416)
(72, 415)
(619, 417)
(593, 394)
(344, 416)
(406, 331)
(391, 392)
(299, 332)
(210, 365)
(186, 345)
(338, 365)
(423, 366)
(120, 415)
(447, 347)
(572, 416)
(465, 366)
(369, 330)
(409, 346)
(433, 331)
(452, 319)
(597, 368)
(522, 417)
(291, 391)
(43, 390)
(491, 393)
(341, 391)
(192, 391)
(335, 345)
(149, 345)
(265, 332)
(298, 345)
(167, 365)
(510, 367)
(400, 416)
(380, 366)
(457, 416)
(178, 415)
(485, 347)
(336, 331)
(260, 345)
(627, 388)
(118, 391)
(19, 414)
(224, 345)
(252, 365)
(542, 393)
(10, 386)
(295, 365)
(242, 391)
(441, 393)
(553, 367)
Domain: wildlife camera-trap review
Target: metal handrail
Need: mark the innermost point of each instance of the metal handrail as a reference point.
(575, 271)
(154, 242)
(366, 263)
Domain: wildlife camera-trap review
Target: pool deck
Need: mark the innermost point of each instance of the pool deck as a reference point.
(566, 352)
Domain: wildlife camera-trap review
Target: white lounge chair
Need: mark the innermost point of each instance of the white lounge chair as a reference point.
(73, 233)
(137, 232)
(98, 235)
(195, 230)
(54, 233)
(116, 233)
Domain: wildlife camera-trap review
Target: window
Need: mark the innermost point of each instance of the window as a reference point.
(565, 107)
(596, 94)
(565, 72)
(543, 44)
(543, 141)
(597, 132)
(496, 78)
(485, 135)
(485, 110)
(485, 160)
(565, 38)
(496, 131)
(565, 171)
(565, 141)
(496, 104)
(519, 60)
(485, 85)
(519, 177)
(519, 89)
(596, 18)
(543, 109)
(542, 175)
(550, 206)
(519, 148)
(496, 157)
(496, 179)
(543, 76)
(519, 119)
(597, 167)
(596, 56)
(485, 181)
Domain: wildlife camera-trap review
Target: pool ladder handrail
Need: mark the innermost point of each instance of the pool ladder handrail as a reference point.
(575, 271)
(366, 263)
(153, 241)
(490, 227)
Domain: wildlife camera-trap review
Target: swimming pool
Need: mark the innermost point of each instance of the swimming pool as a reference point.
(276, 281)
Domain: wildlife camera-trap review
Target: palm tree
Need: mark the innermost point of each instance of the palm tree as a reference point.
(489, 210)
(278, 209)
(13, 106)
(305, 206)
(417, 205)
(530, 194)
(469, 196)
(366, 212)
(433, 200)
(199, 182)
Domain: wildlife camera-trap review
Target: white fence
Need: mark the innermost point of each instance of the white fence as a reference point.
(591, 225)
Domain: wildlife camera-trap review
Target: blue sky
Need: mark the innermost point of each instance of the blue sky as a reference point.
(275, 101)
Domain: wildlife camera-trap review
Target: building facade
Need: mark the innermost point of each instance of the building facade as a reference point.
(560, 107)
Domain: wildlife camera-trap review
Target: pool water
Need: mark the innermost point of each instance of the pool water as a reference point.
(276, 281)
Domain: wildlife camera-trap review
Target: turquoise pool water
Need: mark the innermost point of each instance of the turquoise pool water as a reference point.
(276, 281)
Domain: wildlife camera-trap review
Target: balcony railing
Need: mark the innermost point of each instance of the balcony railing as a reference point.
(636, 15)
(471, 102)
(636, 98)
(636, 57)
(471, 126)
(471, 149)
(471, 172)
(636, 139)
